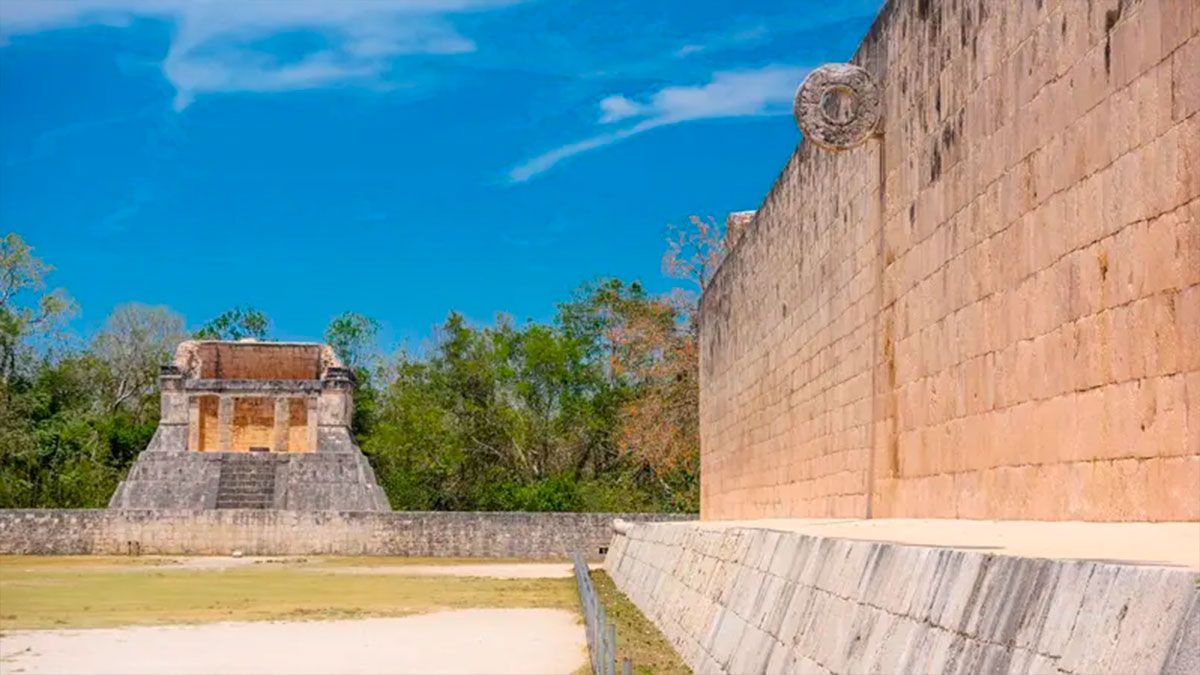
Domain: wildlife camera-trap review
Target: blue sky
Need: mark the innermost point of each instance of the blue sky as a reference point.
(399, 158)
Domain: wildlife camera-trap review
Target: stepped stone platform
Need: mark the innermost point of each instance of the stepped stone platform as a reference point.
(852, 596)
(302, 482)
(253, 425)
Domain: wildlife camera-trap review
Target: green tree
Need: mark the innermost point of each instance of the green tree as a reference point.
(236, 324)
(528, 417)
(55, 439)
(650, 347)
(27, 311)
(354, 338)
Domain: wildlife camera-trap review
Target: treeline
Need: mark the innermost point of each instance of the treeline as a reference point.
(595, 410)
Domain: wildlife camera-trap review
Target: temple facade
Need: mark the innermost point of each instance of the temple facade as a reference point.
(248, 424)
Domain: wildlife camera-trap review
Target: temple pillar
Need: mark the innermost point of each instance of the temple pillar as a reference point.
(280, 430)
(173, 399)
(193, 442)
(225, 423)
(310, 423)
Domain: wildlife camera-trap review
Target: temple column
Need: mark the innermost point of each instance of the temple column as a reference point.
(193, 442)
(310, 423)
(225, 423)
(282, 413)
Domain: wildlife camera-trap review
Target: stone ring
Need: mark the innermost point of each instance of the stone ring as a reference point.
(838, 106)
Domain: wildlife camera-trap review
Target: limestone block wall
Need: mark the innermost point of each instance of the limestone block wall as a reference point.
(259, 361)
(253, 422)
(992, 311)
(786, 340)
(277, 532)
(747, 600)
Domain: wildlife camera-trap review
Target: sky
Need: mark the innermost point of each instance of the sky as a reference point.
(397, 158)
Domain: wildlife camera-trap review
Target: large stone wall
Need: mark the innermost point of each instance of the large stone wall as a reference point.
(752, 600)
(259, 360)
(994, 310)
(271, 532)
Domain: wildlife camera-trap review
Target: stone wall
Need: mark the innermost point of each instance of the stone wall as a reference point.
(259, 361)
(268, 532)
(993, 311)
(748, 600)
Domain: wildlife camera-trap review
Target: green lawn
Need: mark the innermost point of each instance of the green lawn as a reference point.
(76, 592)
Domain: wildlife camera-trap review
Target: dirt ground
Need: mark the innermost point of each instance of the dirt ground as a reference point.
(463, 641)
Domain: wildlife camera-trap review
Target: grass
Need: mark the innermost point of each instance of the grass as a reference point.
(83, 592)
(637, 638)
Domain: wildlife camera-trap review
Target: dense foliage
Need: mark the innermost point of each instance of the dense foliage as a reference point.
(595, 410)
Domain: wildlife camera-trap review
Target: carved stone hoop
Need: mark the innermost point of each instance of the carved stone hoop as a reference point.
(838, 106)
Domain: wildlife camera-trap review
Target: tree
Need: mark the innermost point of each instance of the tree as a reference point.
(695, 253)
(648, 345)
(26, 312)
(235, 324)
(135, 340)
(353, 338)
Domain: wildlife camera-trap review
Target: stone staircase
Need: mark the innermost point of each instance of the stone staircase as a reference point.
(246, 482)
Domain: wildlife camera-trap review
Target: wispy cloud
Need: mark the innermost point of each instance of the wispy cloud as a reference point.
(218, 45)
(734, 40)
(743, 93)
(617, 107)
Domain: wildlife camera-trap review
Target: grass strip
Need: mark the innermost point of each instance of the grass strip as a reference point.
(638, 639)
(98, 592)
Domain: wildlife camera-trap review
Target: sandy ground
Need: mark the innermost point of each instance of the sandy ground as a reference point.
(465, 641)
(1173, 544)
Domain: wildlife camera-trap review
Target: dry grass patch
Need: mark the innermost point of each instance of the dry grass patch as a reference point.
(81, 592)
(638, 639)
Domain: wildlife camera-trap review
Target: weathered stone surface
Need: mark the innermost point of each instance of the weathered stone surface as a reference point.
(838, 107)
(852, 606)
(295, 400)
(993, 309)
(278, 532)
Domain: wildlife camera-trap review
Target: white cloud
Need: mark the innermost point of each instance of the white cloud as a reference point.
(215, 47)
(616, 108)
(743, 93)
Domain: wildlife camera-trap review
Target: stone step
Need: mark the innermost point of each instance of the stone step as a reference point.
(230, 489)
(246, 482)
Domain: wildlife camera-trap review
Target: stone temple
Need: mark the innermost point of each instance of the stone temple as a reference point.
(258, 425)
